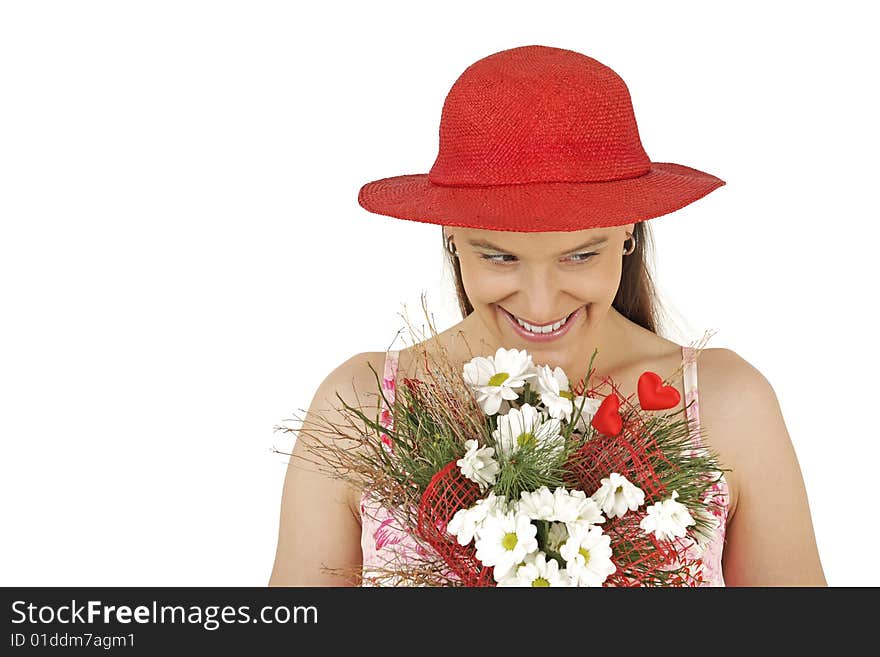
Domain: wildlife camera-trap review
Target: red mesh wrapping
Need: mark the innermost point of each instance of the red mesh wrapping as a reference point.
(447, 492)
(603, 455)
(639, 557)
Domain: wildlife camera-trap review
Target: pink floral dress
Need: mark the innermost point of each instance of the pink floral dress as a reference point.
(383, 541)
(711, 553)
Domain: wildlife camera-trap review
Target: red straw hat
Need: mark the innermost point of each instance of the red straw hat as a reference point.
(538, 139)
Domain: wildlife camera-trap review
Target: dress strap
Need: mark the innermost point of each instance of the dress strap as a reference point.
(389, 380)
(691, 393)
(389, 389)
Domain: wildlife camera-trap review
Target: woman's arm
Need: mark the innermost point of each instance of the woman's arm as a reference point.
(770, 539)
(318, 526)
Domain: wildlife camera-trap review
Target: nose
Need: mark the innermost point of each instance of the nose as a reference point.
(540, 291)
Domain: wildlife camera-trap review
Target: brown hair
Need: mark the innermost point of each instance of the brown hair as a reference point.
(636, 297)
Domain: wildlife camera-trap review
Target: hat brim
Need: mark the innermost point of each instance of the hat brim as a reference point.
(543, 206)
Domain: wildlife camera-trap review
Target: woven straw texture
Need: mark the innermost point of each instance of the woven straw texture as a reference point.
(538, 139)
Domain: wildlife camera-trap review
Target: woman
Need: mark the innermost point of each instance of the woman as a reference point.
(543, 189)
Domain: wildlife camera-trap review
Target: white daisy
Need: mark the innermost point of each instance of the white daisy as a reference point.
(527, 425)
(575, 506)
(496, 379)
(587, 554)
(504, 540)
(617, 495)
(466, 523)
(553, 387)
(560, 401)
(538, 504)
(536, 570)
(478, 464)
(667, 519)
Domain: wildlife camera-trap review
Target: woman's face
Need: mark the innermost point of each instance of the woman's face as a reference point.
(542, 279)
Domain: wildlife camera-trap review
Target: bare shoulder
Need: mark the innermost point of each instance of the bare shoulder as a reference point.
(735, 392)
(726, 367)
(354, 377)
(356, 382)
(725, 375)
(733, 395)
(770, 537)
(319, 524)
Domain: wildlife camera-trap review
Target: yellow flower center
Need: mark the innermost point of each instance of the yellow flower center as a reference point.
(566, 394)
(540, 581)
(526, 438)
(498, 378)
(509, 541)
(618, 490)
(586, 555)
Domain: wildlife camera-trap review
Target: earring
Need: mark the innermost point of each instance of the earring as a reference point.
(450, 247)
(632, 238)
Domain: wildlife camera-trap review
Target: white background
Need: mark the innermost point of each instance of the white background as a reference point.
(183, 259)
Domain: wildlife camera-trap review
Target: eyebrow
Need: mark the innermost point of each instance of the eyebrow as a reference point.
(484, 244)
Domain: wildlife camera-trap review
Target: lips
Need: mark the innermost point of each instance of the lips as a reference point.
(541, 337)
(536, 323)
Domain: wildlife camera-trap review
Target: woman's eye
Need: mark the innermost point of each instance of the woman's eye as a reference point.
(577, 257)
(583, 256)
(491, 258)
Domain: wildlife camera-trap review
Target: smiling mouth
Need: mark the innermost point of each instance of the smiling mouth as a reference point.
(543, 329)
(562, 319)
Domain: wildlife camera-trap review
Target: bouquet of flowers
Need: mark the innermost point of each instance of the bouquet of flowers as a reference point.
(503, 473)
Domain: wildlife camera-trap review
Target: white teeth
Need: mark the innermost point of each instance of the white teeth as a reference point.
(537, 329)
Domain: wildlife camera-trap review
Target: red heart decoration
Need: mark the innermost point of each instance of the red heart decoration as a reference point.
(607, 419)
(653, 395)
